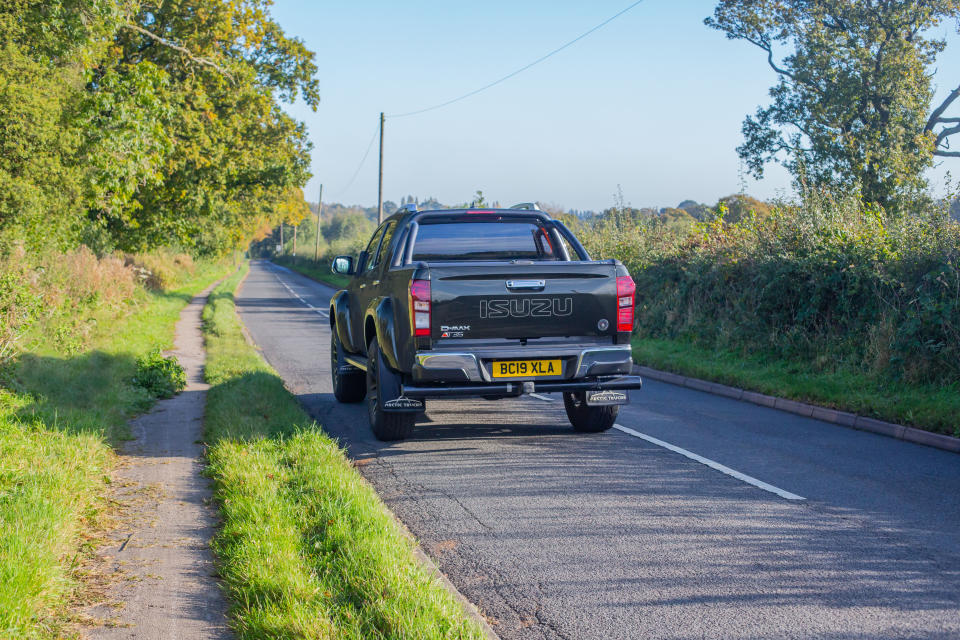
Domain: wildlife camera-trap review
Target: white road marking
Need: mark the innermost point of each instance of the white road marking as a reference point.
(297, 296)
(760, 484)
(541, 397)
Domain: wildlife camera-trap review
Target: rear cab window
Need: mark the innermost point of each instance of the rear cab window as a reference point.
(449, 240)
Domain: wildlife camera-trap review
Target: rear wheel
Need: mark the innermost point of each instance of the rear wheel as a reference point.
(348, 383)
(385, 426)
(587, 419)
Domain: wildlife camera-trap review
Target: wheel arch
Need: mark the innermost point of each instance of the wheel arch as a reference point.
(340, 320)
(379, 323)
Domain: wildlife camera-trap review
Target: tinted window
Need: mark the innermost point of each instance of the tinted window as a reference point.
(384, 245)
(371, 249)
(483, 241)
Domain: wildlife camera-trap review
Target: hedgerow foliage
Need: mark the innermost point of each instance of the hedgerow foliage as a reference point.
(831, 280)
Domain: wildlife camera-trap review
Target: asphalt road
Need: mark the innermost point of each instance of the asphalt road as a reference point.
(808, 530)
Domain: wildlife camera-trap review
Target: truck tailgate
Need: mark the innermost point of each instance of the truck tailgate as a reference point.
(523, 300)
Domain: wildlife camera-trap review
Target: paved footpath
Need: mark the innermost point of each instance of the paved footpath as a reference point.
(701, 517)
(166, 588)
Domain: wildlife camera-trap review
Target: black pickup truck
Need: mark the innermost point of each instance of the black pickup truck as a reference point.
(480, 303)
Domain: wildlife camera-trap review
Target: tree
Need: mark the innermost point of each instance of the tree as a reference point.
(695, 209)
(134, 124)
(738, 207)
(852, 104)
(44, 45)
(235, 156)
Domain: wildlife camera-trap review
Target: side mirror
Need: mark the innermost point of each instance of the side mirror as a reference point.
(342, 265)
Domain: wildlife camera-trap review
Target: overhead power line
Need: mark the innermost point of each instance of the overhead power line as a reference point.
(362, 161)
(518, 71)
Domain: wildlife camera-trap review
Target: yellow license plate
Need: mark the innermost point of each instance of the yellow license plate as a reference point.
(525, 368)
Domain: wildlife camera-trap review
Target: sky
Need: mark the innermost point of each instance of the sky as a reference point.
(651, 104)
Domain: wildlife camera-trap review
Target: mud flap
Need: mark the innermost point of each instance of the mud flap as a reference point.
(390, 386)
(607, 398)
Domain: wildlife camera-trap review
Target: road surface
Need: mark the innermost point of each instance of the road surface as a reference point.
(698, 517)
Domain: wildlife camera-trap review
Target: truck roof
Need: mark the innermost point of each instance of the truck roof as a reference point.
(431, 213)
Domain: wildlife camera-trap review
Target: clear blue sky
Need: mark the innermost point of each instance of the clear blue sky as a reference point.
(653, 101)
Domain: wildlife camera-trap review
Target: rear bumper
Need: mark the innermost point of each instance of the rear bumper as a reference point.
(452, 374)
(474, 366)
(506, 389)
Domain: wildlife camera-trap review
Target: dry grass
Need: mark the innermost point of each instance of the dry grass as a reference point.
(59, 298)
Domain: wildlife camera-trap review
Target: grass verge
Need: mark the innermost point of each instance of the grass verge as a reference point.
(307, 549)
(930, 407)
(60, 410)
(315, 270)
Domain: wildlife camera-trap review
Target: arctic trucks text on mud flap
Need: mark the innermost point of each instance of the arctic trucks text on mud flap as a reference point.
(480, 303)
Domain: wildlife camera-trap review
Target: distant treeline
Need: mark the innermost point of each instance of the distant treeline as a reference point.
(346, 228)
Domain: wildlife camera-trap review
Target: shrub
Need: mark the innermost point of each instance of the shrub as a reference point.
(161, 376)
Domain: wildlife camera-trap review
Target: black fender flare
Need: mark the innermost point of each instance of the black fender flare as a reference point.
(383, 321)
(340, 318)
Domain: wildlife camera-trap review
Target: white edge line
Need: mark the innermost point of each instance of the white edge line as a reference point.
(541, 397)
(760, 484)
(297, 296)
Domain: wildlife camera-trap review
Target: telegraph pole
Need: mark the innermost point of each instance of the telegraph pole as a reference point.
(295, 240)
(316, 250)
(380, 179)
(281, 238)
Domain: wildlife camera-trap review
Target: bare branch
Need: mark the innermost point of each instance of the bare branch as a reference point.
(764, 44)
(935, 117)
(947, 154)
(946, 133)
(201, 61)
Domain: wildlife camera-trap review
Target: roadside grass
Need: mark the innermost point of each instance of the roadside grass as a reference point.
(307, 549)
(313, 269)
(932, 407)
(62, 404)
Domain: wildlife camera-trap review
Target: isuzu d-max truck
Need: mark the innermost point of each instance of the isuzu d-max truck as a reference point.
(487, 303)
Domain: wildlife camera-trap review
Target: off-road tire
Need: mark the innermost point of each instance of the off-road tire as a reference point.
(347, 387)
(385, 426)
(587, 419)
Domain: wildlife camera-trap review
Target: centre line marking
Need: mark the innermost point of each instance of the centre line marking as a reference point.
(541, 397)
(760, 484)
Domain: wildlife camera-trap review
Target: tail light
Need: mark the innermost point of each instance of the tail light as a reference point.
(420, 307)
(626, 291)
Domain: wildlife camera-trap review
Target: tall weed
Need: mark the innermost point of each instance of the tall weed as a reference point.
(55, 297)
